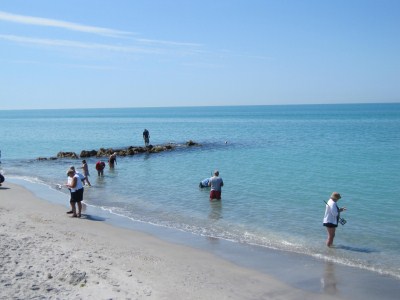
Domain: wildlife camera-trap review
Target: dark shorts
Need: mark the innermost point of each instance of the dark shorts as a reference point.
(77, 196)
(330, 225)
(215, 195)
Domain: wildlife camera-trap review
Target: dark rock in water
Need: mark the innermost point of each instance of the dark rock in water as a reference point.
(87, 153)
(45, 158)
(67, 155)
(191, 143)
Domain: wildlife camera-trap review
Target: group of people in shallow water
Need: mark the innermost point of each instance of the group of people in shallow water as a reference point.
(76, 181)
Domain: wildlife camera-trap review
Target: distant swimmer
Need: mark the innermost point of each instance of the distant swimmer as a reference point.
(332, 217)
(215, 183)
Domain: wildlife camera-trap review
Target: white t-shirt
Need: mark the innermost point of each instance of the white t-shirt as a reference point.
(79, 184)
(331, 212)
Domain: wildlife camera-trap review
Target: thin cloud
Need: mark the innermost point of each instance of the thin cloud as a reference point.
(4, 16)
(168, 43)
(75, 44)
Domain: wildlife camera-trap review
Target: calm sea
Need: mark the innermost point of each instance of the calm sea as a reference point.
(279, 163)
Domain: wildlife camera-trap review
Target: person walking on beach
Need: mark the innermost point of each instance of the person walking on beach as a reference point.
(75, 186)
(215, 183)
(85, 170)
(331, 217)
(100, 165)
(146, 137)
(112, 160)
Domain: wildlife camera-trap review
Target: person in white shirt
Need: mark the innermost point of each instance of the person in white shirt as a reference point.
(76, 188)
(331, 217)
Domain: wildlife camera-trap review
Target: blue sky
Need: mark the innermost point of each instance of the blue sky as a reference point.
(157, 53)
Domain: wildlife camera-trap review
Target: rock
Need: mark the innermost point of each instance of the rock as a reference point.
(191, 143)
(67, 155)
(86, 153)
(129, 151)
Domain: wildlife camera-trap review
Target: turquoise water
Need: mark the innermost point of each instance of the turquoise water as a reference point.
(278, 163)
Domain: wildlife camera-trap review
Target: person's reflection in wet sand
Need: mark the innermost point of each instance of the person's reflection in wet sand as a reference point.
(328, 281)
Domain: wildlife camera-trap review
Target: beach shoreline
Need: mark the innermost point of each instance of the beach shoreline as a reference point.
(45, 252)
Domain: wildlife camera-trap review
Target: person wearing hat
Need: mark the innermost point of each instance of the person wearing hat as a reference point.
(331, 217)
(76, 188)
(80, 175)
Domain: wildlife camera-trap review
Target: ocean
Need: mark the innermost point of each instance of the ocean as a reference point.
(278, 163)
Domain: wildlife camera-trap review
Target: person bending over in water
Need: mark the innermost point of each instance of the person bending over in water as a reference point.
(331, 217)
(112, 160)
(204, 183)
(100, 165)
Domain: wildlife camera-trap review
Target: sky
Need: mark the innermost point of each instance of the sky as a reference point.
(159, 53)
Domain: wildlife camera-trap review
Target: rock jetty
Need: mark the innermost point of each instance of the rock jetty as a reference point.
(129, 151)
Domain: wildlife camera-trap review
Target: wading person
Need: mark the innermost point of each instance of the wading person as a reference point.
(112, 160)
(331, 217)
(85, 170)
(215, 183)
(100, 165)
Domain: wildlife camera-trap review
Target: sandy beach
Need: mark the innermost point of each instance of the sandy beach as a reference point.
(46, 254)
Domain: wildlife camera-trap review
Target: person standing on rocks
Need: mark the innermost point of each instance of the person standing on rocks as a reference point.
(146, 137)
